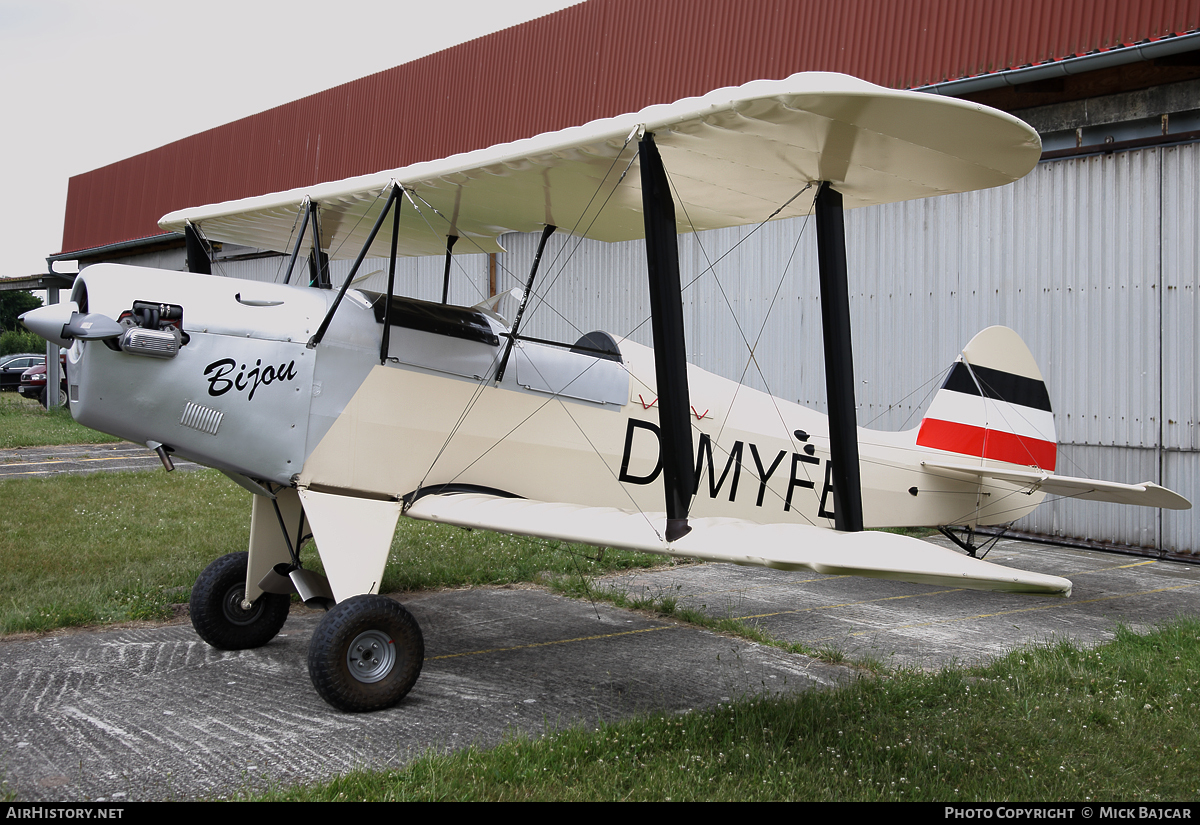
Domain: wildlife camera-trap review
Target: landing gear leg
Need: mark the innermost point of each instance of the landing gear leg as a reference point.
(967, 544)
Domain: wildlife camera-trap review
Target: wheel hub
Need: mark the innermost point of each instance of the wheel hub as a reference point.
(371, 656)
(235, 608)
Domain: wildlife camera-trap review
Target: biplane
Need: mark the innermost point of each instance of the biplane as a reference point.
(342, 409)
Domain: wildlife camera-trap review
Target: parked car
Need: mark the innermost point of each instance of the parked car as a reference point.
(11, 367)
(33, 382)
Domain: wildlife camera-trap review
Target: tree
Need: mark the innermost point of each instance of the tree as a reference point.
(12, 304)
(21, 340)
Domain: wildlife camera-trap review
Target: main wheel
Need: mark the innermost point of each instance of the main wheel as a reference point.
(217, 611)
(366, 654)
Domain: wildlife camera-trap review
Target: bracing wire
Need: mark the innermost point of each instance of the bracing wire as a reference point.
(711, 269)
(579, 237)
(290, 240)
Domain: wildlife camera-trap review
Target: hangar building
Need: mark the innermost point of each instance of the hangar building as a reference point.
(1092, 258)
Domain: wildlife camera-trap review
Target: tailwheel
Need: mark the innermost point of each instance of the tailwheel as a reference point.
(219, 612)
(366, 654)
(967, 540)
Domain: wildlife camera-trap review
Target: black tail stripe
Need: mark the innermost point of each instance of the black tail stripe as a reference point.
(1002, 386)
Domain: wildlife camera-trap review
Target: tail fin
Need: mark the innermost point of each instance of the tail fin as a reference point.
(993, 405)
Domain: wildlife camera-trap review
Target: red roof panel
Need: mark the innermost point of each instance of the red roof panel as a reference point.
(600, 58)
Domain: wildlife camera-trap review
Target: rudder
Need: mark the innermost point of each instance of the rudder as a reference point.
(993, 405)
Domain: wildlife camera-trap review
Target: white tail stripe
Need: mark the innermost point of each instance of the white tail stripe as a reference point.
(988, 413)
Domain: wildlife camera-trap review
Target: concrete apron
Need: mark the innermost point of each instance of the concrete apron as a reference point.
(154, 713)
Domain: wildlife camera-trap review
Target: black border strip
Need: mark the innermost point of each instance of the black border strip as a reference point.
(999, 385)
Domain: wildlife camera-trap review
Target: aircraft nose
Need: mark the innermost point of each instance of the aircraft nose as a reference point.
(50, 321)
(61, 323)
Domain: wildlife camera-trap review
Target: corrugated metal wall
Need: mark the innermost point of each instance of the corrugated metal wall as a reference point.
(1092, 260)
(596, 59)
(1180, 251)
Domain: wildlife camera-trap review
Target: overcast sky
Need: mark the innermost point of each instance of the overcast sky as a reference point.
(90, 82)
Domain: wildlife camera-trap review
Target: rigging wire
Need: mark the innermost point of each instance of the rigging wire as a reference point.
(483, 382)
(762, 329)
(541, 297)
(291, 234)
(480, 384)
(930, 389)
(994, 395)
(722, 451)
(579, 238)
(555, 396)
(711, 269)
(455, 261)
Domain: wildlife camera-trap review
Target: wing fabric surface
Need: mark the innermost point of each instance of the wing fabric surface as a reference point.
(781, 546)
(734, 156)
(1145, 494)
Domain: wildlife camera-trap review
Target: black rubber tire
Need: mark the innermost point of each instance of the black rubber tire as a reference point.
(216, 608)
(361, 630)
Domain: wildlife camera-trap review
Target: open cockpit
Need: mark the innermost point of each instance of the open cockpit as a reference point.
(471, 342)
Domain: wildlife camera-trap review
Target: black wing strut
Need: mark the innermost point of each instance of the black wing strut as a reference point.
(308, 207)
(393, 197)
(197, 255)
(547, 231)
(670, 351)
(450, 241)
(839, 360)
(385, 339)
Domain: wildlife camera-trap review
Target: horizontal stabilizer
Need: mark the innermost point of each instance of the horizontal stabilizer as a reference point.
(1145, 494)
(781, 546)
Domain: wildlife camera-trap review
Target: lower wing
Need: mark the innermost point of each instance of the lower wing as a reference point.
(781, 546)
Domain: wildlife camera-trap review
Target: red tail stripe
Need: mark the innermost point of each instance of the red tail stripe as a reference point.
(983, 443)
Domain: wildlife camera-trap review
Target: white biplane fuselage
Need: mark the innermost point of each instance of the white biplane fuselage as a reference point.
(459, 418)
(249, 398)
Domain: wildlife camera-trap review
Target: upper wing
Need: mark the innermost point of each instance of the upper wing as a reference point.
(782, 546)
(1146, 494)
(734, 155)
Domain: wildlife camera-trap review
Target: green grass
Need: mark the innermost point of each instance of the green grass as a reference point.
(81, 550)
(23, 423)
(426, 556)
(1047, 723)
(85, 550)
